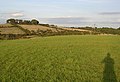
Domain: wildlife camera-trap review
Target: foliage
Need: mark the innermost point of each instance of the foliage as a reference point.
(18, 21)
(10, 36)
(35, 22)
(47, 25)
(108, 30)
(103, 30)
(11, 21)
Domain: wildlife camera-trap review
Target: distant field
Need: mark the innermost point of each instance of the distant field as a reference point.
(11, 30)
(73, 29)
(5, 25)
(44, 28)
(36, 27)
(58, 58)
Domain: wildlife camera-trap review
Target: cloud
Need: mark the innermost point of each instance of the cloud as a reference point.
(5, 15)
(100, 21)
(17, 14)
(109, 13)
(97, 1)
(118, 20)
(12, 14)
(66, 20)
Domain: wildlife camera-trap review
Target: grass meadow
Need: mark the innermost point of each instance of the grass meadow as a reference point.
(75, 58)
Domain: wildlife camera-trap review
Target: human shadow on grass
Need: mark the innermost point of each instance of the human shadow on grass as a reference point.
(109, 73)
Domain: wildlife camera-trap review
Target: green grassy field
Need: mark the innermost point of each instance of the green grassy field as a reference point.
(58, 58)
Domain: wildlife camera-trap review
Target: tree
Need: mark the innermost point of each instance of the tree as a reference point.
(20, 21)
(11, 21)
(17, 21)
(27, 22)
(118, 28)
(35, 22)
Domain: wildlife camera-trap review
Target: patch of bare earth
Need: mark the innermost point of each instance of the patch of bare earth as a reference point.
(75, 29)
(37, 27)
(11, 30)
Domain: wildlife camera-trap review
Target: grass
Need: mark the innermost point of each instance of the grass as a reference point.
(36, 27)
(57, 58)
(12, 30)
(6, 25)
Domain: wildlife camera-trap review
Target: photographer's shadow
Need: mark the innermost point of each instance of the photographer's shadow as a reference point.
(109, 73)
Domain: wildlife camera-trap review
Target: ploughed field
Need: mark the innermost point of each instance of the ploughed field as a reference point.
(58, 58)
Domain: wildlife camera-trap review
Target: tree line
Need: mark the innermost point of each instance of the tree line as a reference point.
(19, 21)
(103, 30)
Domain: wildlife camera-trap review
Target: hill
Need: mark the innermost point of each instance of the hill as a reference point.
(13, 31)
(53, 29)
(10, 29)
(37, 27)
(23, 30)
(6, 25)
(76, 29)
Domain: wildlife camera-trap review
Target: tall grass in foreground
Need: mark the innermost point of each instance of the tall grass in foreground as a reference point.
(58, 58)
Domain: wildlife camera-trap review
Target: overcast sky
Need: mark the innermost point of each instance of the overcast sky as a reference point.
(103, 13)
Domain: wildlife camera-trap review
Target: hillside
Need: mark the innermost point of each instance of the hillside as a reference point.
(36, 27)
(75, 29)
(6, 25)
(24, 30)
(45, 28)
(10, 29)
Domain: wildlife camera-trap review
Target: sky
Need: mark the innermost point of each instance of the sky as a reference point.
(102, 13)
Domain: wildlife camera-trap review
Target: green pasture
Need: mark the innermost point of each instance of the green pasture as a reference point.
(75, 58)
